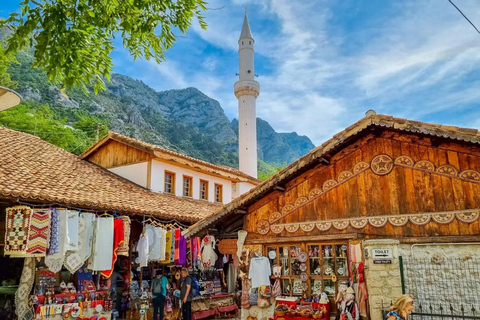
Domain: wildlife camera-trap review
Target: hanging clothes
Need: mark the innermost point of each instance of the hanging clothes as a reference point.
(259, 272)
(172, 250)
(86, 249)
(117, 241)
(53, 245)
(142, 248)
(231, 277)
(208, 253)
(123, 250)
(163, 238)
(102, 256)
(154, 242)
(168, 247)
(75, 259)
(177, 245)
(182, 251)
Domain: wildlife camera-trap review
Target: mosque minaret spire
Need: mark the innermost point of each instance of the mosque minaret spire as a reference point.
(247, 91)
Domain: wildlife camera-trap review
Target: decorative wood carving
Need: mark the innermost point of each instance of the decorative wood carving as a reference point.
(400, 220)
(381, 164)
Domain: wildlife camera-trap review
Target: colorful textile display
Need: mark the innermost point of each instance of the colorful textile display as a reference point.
(154, 242)
(22, 295)
(54, 261)
(16, 230)
(117, 241)
(102, 248)
(38, 233)
(123, 250)
(72, 231)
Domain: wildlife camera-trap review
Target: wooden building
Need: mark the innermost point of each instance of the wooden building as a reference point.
(382, 183)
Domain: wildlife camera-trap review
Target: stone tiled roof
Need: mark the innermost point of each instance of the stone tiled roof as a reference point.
(371, 120)
(155, 150)
(34, 170)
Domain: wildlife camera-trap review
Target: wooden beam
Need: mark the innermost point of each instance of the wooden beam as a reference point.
(440, 239)
(241, 211)
(233, 226)
(149, 174)
(279, 188)
(327, 237)
(323, 160)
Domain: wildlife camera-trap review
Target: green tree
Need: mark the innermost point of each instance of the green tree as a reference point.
(6, 59)
(73, 39)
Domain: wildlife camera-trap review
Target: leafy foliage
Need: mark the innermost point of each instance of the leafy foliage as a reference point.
(6, 59)
(40, 120)
(73, 39)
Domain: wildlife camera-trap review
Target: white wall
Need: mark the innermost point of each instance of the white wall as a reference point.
(136, 173)
(158, 180)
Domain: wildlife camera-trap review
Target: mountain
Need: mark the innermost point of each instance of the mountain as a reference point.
(183, 120)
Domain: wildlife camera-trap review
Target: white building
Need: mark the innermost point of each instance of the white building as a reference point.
(165, 171)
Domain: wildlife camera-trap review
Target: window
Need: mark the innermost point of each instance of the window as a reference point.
(187, 186)
(218, 193)
(324, 262)
(203, 190)
(169, 182)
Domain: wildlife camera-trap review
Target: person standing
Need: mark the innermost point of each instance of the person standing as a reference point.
(401, 309)
(186, 295)
(159, 292)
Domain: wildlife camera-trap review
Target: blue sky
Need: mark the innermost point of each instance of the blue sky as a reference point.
(323, 64)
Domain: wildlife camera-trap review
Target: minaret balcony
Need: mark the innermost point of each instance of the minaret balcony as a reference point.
(247, 87)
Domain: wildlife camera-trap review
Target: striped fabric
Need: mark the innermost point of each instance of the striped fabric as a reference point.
(38, 233)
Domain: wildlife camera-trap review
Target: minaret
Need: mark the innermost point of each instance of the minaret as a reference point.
(247, 91)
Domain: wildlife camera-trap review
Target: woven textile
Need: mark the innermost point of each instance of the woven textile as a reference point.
(54, 261)
(38, 233)
(102, 248)
(86, 249)
(54, 234)
(22, 307)
(155, 247)
(168, 247)
(74, 259)
(123, 250)
(163, 237)
(16, 230)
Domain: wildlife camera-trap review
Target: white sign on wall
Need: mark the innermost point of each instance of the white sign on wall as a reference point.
(382, 254)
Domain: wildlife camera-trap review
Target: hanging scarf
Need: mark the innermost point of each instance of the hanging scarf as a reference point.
(16, 230)
(54, 261)
(168, 247)
(86, 249)
(123, 250)
(38, 233)
(182, 251)
(54, 233)
(102, 248)
(117, 241)
(172, 250)
(177, 246)
(75, 259)
(163, 239)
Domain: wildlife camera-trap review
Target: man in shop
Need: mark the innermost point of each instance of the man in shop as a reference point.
(159, 292)
(186, 295)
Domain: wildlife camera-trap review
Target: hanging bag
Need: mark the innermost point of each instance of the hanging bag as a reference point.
(277, 289)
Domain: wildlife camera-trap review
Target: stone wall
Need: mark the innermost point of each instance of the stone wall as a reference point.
(442, 275)
(383, 280)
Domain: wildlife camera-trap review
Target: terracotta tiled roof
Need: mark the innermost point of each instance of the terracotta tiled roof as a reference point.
(32, 169)
(174, 156)
(378, 120)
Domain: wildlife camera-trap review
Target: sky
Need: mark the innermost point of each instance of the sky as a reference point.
(322, 64)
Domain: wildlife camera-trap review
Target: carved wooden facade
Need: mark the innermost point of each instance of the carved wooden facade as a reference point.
(385, 185)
